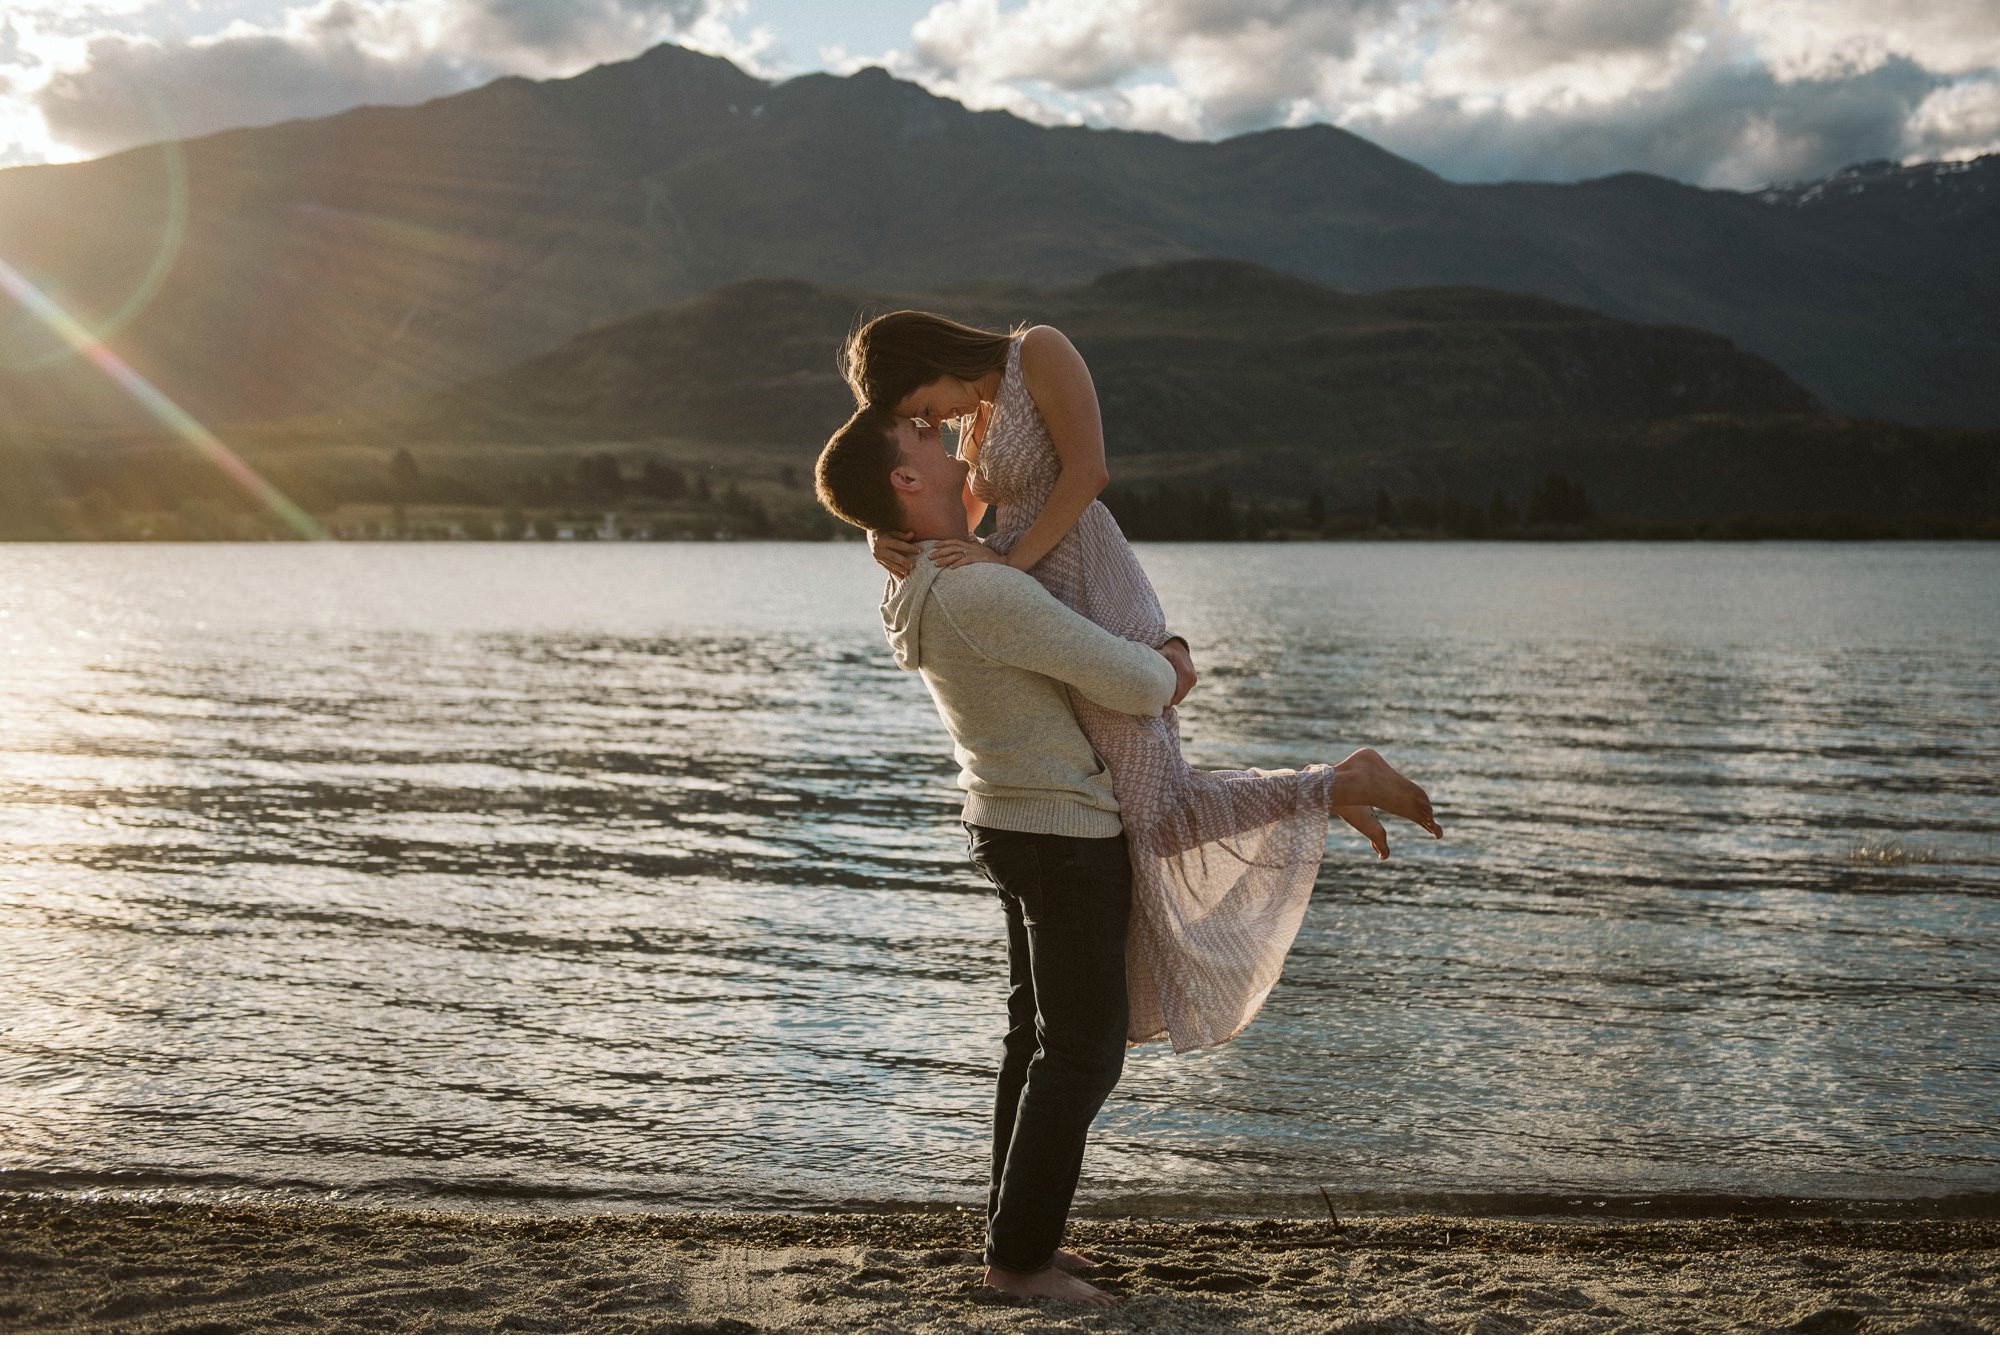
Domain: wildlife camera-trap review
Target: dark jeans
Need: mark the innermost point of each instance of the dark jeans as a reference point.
(1067, 901)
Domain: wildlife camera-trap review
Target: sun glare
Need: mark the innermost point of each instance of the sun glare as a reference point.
(163, 408)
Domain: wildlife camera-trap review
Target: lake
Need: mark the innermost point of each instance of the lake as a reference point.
(593, 875)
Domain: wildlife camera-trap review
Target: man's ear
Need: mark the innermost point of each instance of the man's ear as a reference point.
(904, 479)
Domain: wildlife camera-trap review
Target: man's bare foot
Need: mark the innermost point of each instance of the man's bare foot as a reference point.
(1071, 1261)
(1364, 781)
(1050, 1282)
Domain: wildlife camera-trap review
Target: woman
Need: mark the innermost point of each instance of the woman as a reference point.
(1223, 862)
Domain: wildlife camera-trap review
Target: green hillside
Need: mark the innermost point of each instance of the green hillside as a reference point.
(1237, 400)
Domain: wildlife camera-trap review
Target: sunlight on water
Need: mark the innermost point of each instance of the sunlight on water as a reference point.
(631, 874)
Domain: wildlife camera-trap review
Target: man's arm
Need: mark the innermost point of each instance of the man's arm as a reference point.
(1007, 616)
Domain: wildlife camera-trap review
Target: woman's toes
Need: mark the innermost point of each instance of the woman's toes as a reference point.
(1427, 817)
(1366, 824)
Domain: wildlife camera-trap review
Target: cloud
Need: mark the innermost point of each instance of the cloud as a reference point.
(1958, 121)
(123, 89)
(12, 53)
(1241, 63)
(1720, 124)
(1561, 30)
(1727, 93)
(558, 32)
(131, 91)
(1817, 39)
(1063, 45)
(548, 38)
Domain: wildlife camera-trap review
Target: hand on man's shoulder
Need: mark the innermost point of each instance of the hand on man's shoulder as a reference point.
(988, 581)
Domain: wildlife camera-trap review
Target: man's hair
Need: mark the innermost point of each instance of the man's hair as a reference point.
(890, 356)
(851, 478)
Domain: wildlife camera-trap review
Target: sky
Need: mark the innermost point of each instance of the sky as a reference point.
(1723, 93)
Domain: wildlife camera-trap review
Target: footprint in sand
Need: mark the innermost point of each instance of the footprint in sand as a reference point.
(818, 1266)
(950, 1257)
(1828, 1321)
(1204, 1280)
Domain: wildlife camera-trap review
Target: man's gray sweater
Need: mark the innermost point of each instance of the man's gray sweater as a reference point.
(996, 650)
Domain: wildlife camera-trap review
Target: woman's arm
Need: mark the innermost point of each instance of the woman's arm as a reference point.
(1059, 382)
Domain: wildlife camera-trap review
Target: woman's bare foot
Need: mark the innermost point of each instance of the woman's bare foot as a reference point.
(1362, 818)
(1071, 1261)
(1364, 781)
(1050, 1282)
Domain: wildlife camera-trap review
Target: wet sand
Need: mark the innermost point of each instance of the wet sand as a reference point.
(109, 1264)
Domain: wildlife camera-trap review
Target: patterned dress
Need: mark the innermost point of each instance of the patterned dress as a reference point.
(1223, 863)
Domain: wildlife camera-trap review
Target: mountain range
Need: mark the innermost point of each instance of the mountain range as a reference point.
(347, 264)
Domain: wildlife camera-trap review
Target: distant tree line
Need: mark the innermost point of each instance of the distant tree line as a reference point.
(597, 482)
(166, 492)
(1168, 511)
(1555, 502)
(1164, 511)
(163, 492)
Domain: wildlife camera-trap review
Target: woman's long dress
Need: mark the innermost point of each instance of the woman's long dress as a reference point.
(1223, 863)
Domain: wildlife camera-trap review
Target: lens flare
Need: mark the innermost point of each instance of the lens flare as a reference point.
(158, 404)
(173, 230)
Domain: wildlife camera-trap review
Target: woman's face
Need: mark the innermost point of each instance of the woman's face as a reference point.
(939, 401)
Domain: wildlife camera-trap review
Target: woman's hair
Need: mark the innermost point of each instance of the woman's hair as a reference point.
(890, 356)
(851, 478)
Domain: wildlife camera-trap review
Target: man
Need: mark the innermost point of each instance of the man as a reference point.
(996, 651)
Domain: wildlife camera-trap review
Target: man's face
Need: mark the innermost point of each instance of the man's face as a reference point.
(923, 451)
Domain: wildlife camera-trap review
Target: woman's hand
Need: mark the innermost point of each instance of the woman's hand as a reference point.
(953, 553)
(894, 551)
(1182, 659)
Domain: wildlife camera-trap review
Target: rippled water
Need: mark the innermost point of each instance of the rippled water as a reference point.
(629, 874)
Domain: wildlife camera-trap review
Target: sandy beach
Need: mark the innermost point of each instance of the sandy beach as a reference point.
(104, 1264)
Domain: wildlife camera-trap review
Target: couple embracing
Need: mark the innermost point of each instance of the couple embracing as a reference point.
(1144, 900)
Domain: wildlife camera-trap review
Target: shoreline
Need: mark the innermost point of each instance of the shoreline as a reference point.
(138, 1185)
(74, 1263)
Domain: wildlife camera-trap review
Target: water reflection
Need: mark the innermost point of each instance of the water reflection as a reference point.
(631, 873)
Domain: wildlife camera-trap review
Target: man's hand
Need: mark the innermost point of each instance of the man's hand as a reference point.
(1175, 649)
(894, 551)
